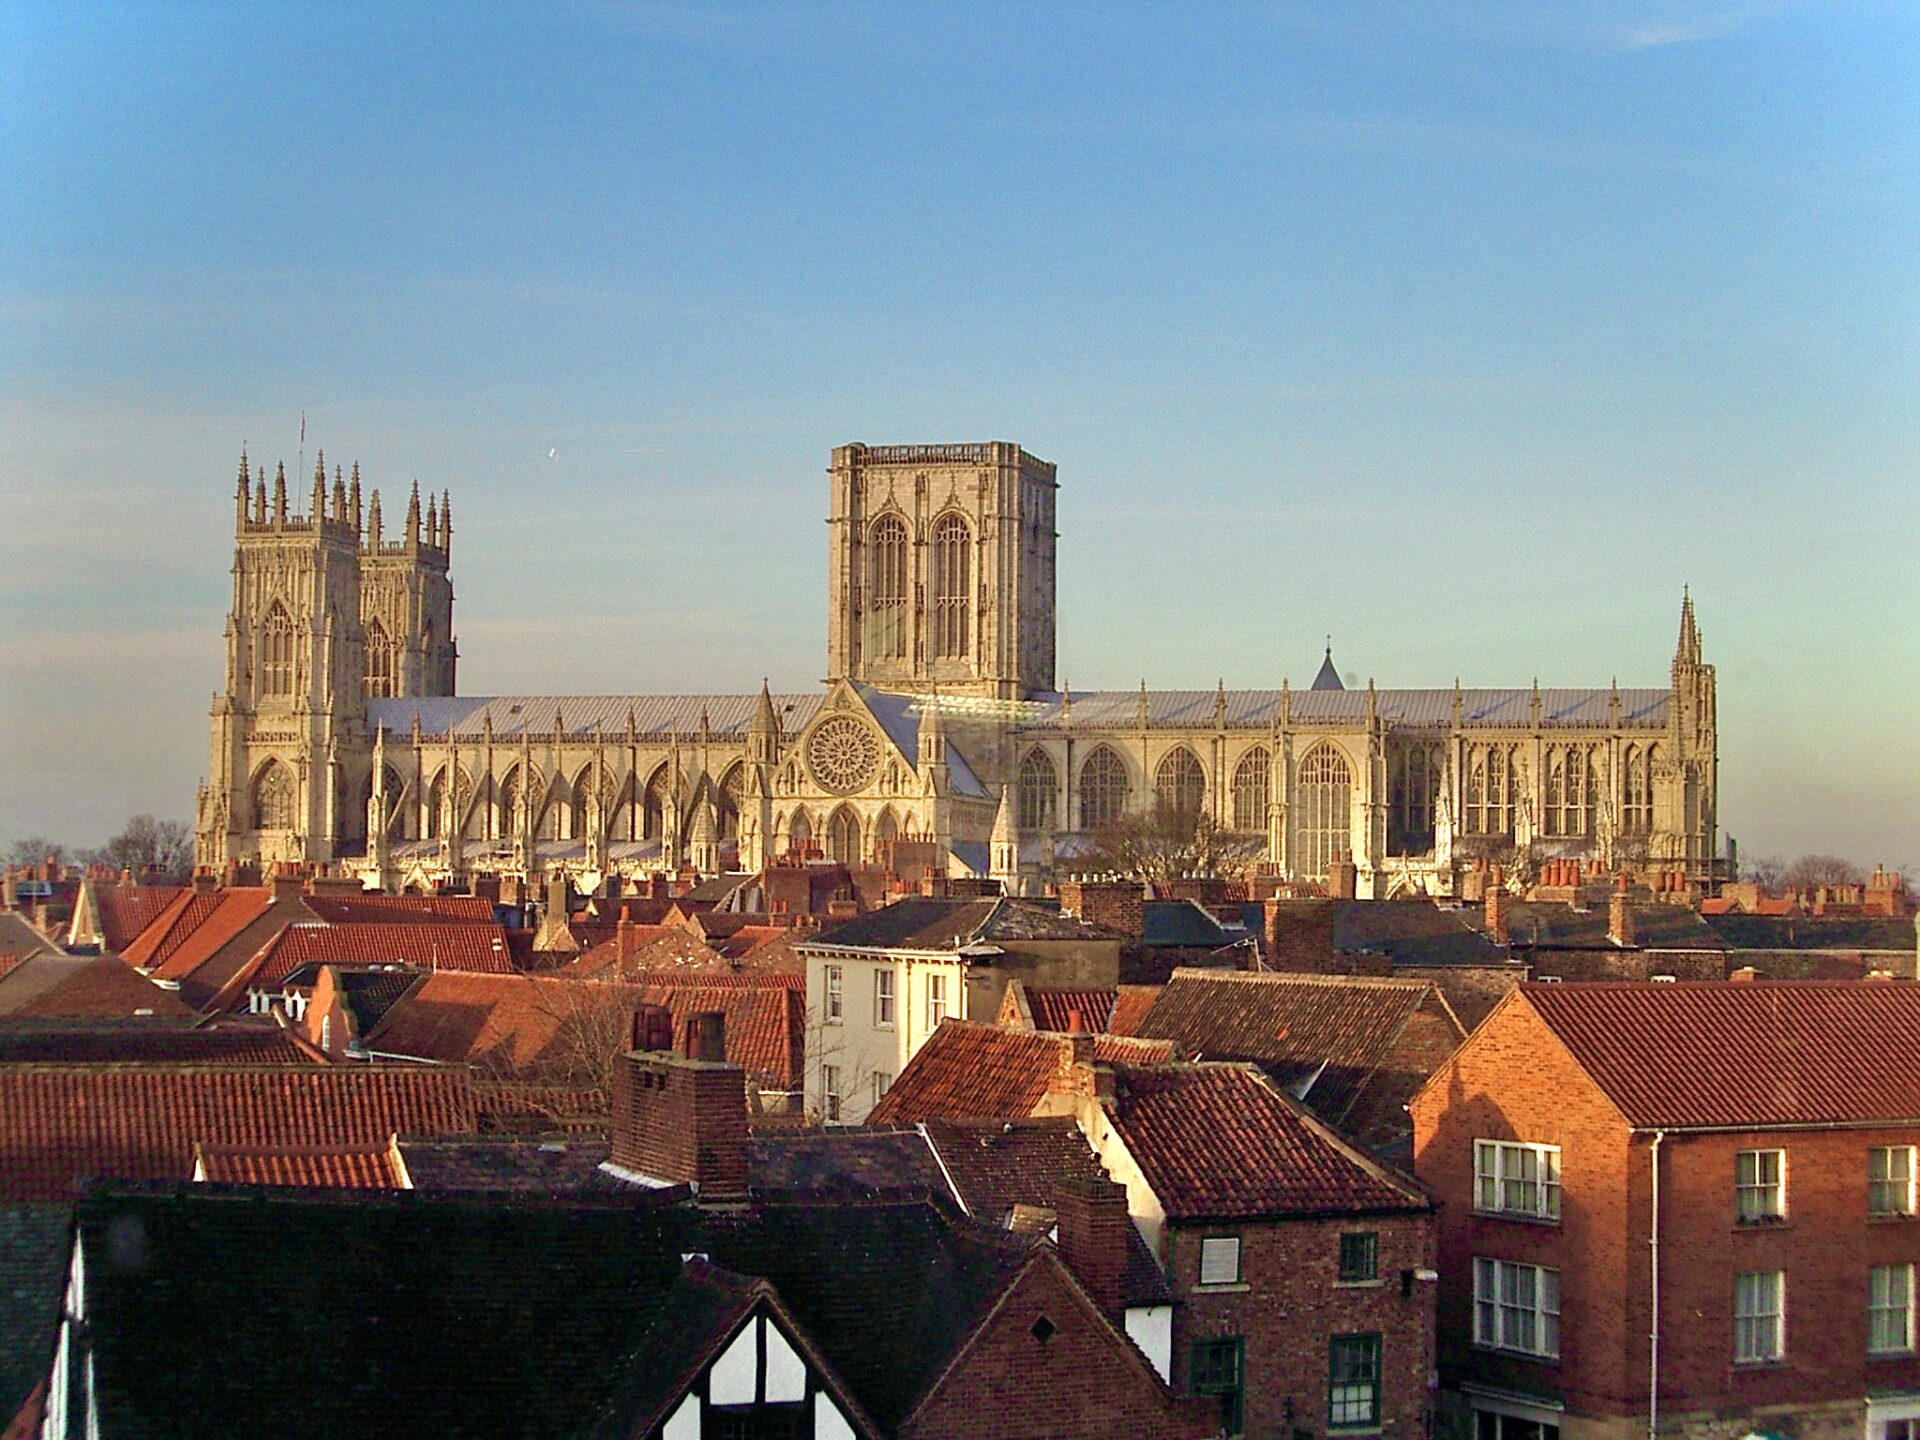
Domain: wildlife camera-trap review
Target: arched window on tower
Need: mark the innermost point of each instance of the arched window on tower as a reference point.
(952, 584)
(799, 834)
(1636, 817)
(887, 589)
(1251, 781)
(1103, 789)
(843, 837)
(276, 652)
(1323, 813)
(1038, 791)
(1180, 783)
(1413, 791)
(273, 798)
(729, 805)
(380, 661)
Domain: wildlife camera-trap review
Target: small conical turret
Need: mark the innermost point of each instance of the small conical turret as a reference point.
(280, 493)
(413, 516)
(353, 497)
(319, 510)
(241, 494)
(1003, 849)
(1687, 652)
(373, 522)
(446, 520)
(260, 493)
(1536, 702)
(339, 496)
(1329, 677)
(433, 522)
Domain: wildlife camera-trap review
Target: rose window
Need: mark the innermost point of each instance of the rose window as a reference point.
(842, 753)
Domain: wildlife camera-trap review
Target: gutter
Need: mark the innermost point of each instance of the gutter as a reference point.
(1653, 1276)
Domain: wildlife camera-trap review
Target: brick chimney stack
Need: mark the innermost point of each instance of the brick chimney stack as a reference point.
(1093, 1222)
(1497, 905)
(1119, 905)
(1620, 915)
(682, 1119)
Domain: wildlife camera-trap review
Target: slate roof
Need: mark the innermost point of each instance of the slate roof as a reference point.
(33, 1283)
(338, 1167)
(150, 1042)
(1551, 924)
(1411, 932)
(843, 1164)
(1326, 1034)
(1807, 932)
(917, 922)
(122, 911)
(1183, 924)
(61, 1123)
(553, 1168)
(1220, 1142)
(967, 1070)
(1752, 1054)
(434, 945)
(20, 941)
(1425, 709)
(50, 986)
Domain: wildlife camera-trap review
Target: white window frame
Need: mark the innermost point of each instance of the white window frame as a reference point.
(1758, 1198)
(1759, 1299)
(1888, 1158)
(882, 1082)
(1890, 1299)
(1501, 1184)
(830, 1097)
(883, 999)
(835, 1003)
(936, 1001)
(1219, 1260)
(1501, 1313)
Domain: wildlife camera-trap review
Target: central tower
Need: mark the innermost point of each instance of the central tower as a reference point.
(941, 569)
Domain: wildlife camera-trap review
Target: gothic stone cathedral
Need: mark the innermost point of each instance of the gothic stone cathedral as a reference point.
(339, 737)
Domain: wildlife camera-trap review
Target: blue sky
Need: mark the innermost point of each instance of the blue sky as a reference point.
(1467, 333)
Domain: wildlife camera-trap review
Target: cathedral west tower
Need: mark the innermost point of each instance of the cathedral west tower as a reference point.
(941, 569)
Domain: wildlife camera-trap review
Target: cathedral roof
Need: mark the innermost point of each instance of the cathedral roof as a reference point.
(1491, 709)
(467, 715)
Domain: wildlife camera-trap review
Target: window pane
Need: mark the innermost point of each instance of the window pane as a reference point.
(1219, 1260)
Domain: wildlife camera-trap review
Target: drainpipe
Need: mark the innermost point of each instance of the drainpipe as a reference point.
(1653, 1266)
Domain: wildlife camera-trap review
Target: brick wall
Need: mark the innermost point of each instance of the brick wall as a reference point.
(1299, 935)
(1118, 905)
(1084, 1379)
(681, 1121)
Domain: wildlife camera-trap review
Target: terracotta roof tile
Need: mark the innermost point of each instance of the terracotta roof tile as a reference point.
(434, 945)
(1059, 1010)
(1130, 1007)
(765, 1025)
(372, 908)
(189, 932)
(61, 1123)
(151, 1042)
(123, 911)
(1219, 1141)
(967, 1070)
(51, 986)
(346, 1167)
(1715, 1053)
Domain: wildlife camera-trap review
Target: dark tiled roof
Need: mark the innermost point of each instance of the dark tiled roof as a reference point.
(1557, 925)
(435, 945)
(1181, 924)
(1334, 1031)
(1807, 932)
(339, 1167)
(550, 1168)
(844, 1164)
(52, 986)
(1412, 932)
(149, 1042)
(1759, 1053)
(33, 1282)
(922, 923)
(60, 1123)
(19, 940)
(1219, 1142)
(972, 1071)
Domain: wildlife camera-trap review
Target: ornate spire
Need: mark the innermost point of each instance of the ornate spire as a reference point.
(1329, 677)
(446, 520)
(1613, 703)
(433, 522)
(1456, 702)
(1220, 704)
(1142, 708)
(1536, 702)
(1687, 652)
(240, 494)
(373, 523)
(280, 493)
(353, 498)
(339, 496)
(260, 493)
(319, 488)
(413, 516)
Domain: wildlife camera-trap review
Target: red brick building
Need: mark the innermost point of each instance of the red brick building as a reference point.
(1680, 1208)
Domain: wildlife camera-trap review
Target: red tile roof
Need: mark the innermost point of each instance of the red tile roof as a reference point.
(347, 1167)
(967, 1070)
(60, 1123)
(433, 945)
(121, 912)
(373, 908)
(178, 928)
(153, 1042)
(73, 986)
(1220, 1142)
(1067, 1010)
(1719, 1053)
(1130, 1007)
(765, 1025)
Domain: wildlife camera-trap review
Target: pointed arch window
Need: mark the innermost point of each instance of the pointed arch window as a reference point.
(952, 584)
(1180, 783)
(731, 785)
(1637, 804)
(843, 837)
(1569, 791)
(1413, 795)
(1038, 791)
(1323, 813)
(276, 652)
(653, 819)
(1252, 779)
(887, 588)
(1490, 777)
(511, 789)
(799, 834)
(380, 662)
(886, 830)
(1104, 789)
(580, 805)
(273, 798)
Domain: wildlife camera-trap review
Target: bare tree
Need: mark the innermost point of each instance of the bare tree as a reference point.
(1813, 870)
(1766, 871)
(149, 846)
(1164, 843)
(34, 849)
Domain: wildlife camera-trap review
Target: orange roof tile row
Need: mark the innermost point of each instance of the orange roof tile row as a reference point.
(435, 945)
(58, 1124)
(348, 1167)
(193, 927)
(122, 911)
(970, 1071)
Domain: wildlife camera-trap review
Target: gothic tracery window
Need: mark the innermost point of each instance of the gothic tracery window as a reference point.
(653, 815)
(1571, 790)
(799, 834)
(579, 805)
(1251, 782)
(380, 667)
(1413, 791)
(273, 798)
(1323, 812)
(952, 583)
(843, 837)
(1489, 800)
(1103, 789)
(1636, 817)
(1038, 791)
(276, 652)
(887, 588)
(1180, 783)
(728, 806)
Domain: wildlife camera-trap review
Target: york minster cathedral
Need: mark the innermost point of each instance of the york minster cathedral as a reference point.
(339, 738)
